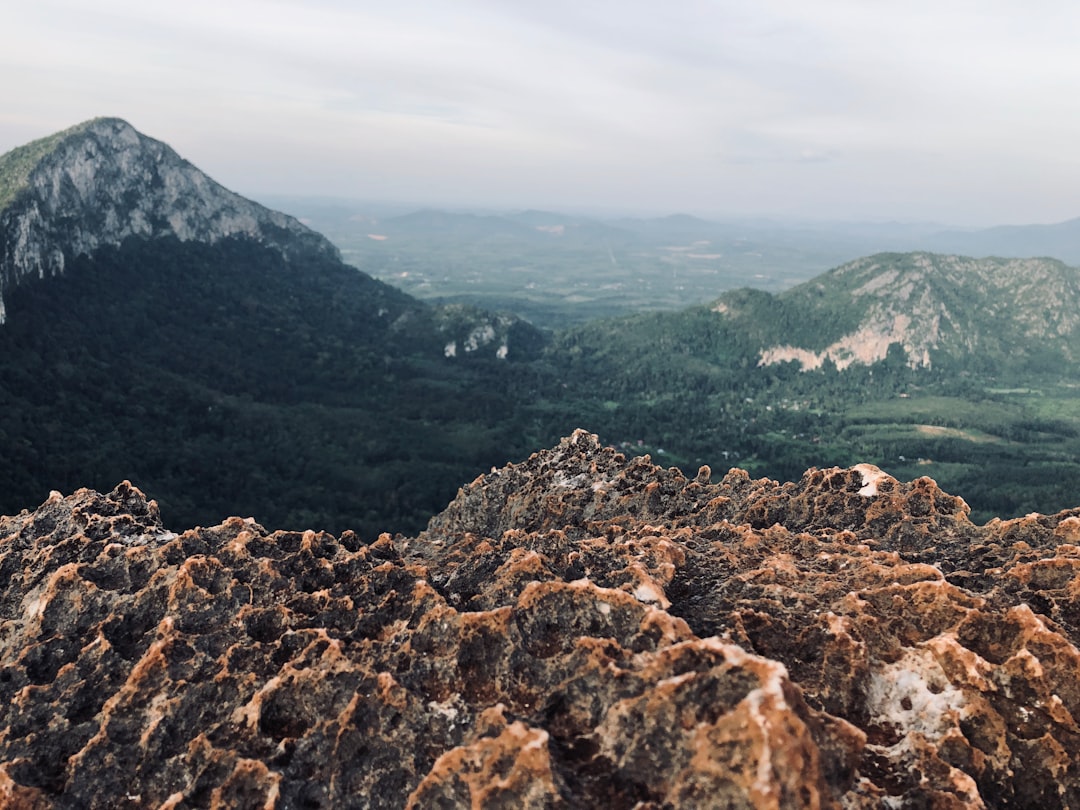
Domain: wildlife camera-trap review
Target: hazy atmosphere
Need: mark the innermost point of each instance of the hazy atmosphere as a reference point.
(956, 112)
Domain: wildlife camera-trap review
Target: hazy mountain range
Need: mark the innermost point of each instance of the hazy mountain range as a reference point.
(557, 269)
(1057, 240)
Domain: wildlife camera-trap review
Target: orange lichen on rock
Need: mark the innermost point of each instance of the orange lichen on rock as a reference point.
(580, 629)
(513, 769)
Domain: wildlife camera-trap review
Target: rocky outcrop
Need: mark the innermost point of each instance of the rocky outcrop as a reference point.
(930, 305)
(578, 630)
(468, 331)
(102, 182)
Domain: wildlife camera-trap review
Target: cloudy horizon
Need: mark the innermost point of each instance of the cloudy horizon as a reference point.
(954, 112)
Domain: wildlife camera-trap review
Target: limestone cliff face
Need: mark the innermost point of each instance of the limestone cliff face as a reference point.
(927, 303)
(102, 182)
(578, 630)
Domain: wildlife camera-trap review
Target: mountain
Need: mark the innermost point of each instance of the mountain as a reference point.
(994, 314)
(572, 228)
(682, 227)
(957, 368)
(161, 328)
(582, 629)
(1060, 240)
(101, 182)
(457, 226)
(1000, 311)
(526, 229)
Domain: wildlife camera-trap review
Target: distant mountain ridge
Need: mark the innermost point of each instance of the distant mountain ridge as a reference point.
(101, 182)
(530, 227)
(1060, 240)
(930, 305)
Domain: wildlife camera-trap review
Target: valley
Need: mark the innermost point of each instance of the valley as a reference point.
(995, 418)
(227, 359)
(558, 269)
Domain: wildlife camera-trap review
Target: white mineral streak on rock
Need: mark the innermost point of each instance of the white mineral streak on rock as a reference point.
(480, 336)
(539, 737)
(446, 708)
(648, 592)
(763, 778)
(914, 695)
(249, 713)
(771, 695)
(871, 475)
(915, 698)
(564, 481)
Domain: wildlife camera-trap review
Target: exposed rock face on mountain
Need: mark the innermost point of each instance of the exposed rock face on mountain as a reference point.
(101, 182)
(578, 630)
(241, 331)
(929, 304)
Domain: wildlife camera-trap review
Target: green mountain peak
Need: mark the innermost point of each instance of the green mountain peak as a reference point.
(17, 165)
(101, 182)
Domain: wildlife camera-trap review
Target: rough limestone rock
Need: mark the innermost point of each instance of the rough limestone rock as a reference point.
(578, 630)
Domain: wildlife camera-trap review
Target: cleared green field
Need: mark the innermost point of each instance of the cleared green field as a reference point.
(945, 411)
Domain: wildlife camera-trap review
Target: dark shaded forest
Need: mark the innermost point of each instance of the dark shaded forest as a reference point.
(227, 380)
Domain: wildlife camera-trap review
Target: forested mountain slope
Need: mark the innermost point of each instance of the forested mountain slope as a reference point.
(102, 181)
(163, 329)
(981, 314)
(946, 366)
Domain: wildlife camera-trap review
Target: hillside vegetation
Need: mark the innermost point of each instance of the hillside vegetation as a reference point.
(220, 355)
(222, 384)
(226, 379)
(991, 412)
(286, 385)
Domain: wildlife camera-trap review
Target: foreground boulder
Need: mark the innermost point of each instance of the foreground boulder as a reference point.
(578, 630)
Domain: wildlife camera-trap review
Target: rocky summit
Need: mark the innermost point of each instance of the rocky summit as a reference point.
(578, 630)
(102, 182)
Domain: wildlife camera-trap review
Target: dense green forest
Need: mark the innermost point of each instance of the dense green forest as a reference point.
(1007, 440)
(227, 380)
(219, 382)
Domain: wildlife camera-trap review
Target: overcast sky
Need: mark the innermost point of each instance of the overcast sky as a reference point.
(957, 112)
